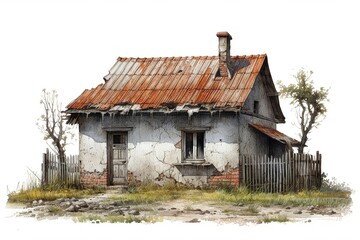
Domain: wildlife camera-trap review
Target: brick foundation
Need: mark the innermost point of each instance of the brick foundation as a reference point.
(227, 178)
(91, 179)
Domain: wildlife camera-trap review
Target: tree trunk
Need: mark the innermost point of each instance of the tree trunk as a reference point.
(63, 172)
(301, 149)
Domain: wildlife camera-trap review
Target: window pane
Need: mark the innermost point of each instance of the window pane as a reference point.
(256, 107)
(116, 139)
(189, 145)
(119, 139)
(200, 145)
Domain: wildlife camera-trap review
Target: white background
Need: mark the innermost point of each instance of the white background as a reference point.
(70, 45)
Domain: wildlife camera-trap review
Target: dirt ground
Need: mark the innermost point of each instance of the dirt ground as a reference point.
(176, 210)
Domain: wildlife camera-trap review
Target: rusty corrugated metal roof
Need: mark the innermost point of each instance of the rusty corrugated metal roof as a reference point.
(275, 134)
(172, 83)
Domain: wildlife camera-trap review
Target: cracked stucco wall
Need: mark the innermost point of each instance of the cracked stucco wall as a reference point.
(92, 144)
(154, 140)
(154, 143)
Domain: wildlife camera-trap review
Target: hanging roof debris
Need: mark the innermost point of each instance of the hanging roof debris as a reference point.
(177, 83)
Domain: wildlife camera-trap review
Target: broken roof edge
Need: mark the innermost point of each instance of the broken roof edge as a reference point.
(89, 91)
(105, 97)
(73, 114)
(152, 110)
(275, 134)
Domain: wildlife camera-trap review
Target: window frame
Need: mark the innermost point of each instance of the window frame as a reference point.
(256, 107)
(195, 146)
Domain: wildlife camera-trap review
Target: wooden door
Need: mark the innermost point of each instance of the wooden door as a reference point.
(118, 159)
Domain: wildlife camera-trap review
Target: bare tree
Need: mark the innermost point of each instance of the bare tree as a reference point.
(310, 103)
(53, 125)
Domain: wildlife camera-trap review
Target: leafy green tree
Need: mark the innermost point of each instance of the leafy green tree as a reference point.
(309, 102)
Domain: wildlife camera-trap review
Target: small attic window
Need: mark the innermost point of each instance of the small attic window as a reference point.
(256, 107)
(218, 73)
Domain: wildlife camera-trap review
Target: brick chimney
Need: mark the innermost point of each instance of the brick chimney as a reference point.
(224, 54)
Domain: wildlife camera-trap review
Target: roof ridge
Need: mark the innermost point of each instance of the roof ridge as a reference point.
(184, 57)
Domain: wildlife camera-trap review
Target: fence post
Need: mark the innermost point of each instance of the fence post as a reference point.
(318, 170)
(45, 168)
(240, 171)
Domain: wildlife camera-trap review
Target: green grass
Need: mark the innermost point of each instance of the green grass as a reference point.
(27, 196)
(55, 209)
(188, 208)
(322, 199)
(279, 218)
(151, 193)
(147, 197)
(248, 211)
(143, 208)
(119, 219)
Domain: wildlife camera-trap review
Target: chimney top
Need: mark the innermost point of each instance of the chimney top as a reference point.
(224, 54)
(224, 34)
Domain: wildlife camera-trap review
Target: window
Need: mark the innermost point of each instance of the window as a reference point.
(256, 106)
(119, 139)
(193, 145)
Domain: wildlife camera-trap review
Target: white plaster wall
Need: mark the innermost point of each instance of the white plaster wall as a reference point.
(92, 145)
(154, 142)
(152, 148)
(222, 146)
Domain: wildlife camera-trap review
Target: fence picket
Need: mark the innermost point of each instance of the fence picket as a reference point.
(267, 175)
(52, 170)
(290, 172)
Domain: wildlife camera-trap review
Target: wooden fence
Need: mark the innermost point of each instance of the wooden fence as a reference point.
(53, 171)
(291, 172)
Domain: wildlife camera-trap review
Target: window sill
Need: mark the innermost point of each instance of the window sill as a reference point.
(193, 161)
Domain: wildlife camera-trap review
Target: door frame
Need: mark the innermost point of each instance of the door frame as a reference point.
(110, 169)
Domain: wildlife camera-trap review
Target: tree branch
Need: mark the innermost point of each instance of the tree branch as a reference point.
(308, 100)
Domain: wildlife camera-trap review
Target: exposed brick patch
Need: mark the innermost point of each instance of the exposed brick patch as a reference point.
(91, 179)
(227, 178)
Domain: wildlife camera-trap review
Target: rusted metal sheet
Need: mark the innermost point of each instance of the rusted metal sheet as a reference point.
(154, 83)
(275, 134)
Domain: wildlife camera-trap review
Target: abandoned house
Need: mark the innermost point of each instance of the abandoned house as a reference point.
(181, 118)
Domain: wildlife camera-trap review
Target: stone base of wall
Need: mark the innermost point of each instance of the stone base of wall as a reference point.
(227, 178)
(92, 179)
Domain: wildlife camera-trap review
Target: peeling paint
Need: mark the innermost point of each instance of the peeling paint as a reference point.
(154, 147)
